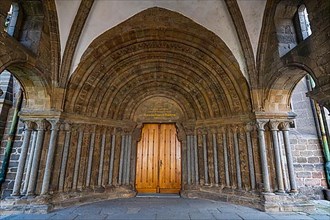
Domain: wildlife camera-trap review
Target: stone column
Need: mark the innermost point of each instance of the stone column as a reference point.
(188, 160)
(29, 163)
(64, 156)
(50, 156)
(129, 149)
(77, 160)
(248, 129)
(99, 179)
(121, 162)
(90, 158)
(263, 154)
(41, 127)
(112, 156)
(206, 168)
(215, 158)
(292, 177)
(279, 176)
(225, 156)
(196, 160)
(237, 158)
(22, 158)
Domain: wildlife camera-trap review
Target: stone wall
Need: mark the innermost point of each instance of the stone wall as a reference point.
(309, 166)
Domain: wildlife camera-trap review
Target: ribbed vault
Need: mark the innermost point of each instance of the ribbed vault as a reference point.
(158, 53)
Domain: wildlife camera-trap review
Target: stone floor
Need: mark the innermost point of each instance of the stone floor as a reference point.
(171, 208)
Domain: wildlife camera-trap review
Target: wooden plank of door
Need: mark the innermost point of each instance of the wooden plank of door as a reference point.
(169, 183)
(147, 172)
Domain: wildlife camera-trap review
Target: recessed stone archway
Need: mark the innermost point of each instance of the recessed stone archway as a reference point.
(127, 62)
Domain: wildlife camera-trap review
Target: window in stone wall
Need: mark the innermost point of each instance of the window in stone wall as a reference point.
(11, 19)
(292, 26)
(302, 23)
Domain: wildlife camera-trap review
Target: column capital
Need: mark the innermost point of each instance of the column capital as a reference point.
(274, 124)
(41, 124)
(222, 130)
(234, 128)
(55, 124)
(29, 125)
(248, 127)
(67, 126)
(261, 124)
(213, 130)
(285, 125)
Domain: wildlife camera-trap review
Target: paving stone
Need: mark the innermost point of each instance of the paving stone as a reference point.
(91, 216)
(173, 216)
(291, 217)
(161, 209)
(319, 217)
(63, 216)
(255, 216)
(231, 216)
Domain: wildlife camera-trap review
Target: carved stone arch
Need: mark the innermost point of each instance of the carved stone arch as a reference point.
(153, 49)
(36, 89)
(281, 86)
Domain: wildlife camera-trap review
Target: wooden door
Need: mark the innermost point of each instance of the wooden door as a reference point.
(158, 166)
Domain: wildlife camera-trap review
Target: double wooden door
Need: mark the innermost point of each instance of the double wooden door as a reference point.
(158, 166)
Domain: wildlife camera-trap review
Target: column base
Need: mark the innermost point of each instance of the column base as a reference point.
(280, 192)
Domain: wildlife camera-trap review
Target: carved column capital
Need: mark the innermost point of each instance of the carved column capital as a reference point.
(274, 124)
(222, 130)
(29, 125)
(55, 124)
(234, 128)
(67, 126)
(248, 127)
(261, 124)
(285, 125)
(41, 124)
(213, 130)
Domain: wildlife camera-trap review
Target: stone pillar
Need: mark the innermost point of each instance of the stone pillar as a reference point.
(121, 162)
(64, 156)
(22, 158)
(30, 161)
(196, 160)
(112, 157)
(206, 168)
(77, 161)
(225, 156)
(50, 156)
(248, 129)
(279, 176)
(292, 177)
(192, 159)
(237, 158)
(90, 158)
(263, 154)
(188, 159)
(215, 158)
(99, 179)
(41, 127)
